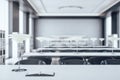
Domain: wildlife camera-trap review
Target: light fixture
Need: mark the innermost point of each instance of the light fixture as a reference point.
(70, 6)
(19, 38)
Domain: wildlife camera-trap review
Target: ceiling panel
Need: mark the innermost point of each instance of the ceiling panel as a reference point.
(86, 7)
(71, 6)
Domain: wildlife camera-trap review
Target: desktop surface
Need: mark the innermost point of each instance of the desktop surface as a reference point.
(62, 72)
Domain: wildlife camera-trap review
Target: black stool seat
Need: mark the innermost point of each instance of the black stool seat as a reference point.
(30, 62)
(112, 62)
(71, 60)
(97, 60)
(116, 57)
(47, 60)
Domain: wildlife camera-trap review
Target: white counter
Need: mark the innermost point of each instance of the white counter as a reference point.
(63, 72)
(56, 54)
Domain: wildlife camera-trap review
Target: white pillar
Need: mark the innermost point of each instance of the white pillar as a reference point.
(21, 21)
(31, 30)
(31, 24)
(118, 19)
(115, 42)
(29, 42)
(108, 26)
(6, 25)
(15, 50)
(27, 46)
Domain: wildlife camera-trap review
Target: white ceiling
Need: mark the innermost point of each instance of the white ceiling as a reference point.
(72, 7)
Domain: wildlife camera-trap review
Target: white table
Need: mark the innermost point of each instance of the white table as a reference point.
(84, 48)
(57, 54)
(63, 72)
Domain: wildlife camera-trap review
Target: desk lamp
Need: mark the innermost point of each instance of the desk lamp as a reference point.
(101, 41)
(19, 38)
(93, 41)
(112, 39)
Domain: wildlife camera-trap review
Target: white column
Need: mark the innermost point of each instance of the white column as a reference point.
(31, 29)
(27, 46)
(6, 25)
(15, 50)
(108, 26)
(115, 42)
(21, 21)
(118, 19)
(29, 42)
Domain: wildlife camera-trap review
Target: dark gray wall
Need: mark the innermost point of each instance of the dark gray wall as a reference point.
(15, 17)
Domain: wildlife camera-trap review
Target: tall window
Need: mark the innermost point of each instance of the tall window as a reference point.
(114, 22)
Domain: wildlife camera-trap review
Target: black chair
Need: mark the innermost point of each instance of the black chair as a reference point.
(71, 57)
(47, 60)
(116, 57)
(67, 50)
(46, 51)
(97, 60)
(112, 62)
(30, 62)
(71, 61)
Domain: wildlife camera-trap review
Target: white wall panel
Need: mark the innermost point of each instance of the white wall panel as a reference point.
(48, 27)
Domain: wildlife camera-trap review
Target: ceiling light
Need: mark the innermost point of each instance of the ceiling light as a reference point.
(71, 6)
